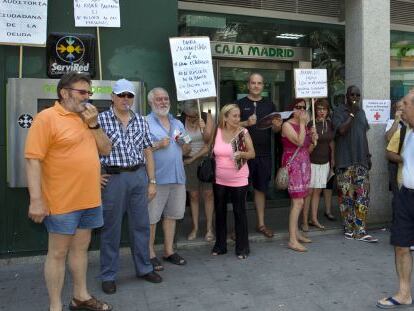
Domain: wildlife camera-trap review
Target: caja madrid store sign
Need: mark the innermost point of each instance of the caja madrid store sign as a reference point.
(70, 52)
(260, 51)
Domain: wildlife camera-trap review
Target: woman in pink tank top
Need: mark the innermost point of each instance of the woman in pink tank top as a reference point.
(232, 148)
(296, 136)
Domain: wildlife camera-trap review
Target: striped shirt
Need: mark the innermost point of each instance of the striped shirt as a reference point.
(128, 143)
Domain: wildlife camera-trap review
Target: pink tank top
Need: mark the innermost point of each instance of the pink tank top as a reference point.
(226, 172)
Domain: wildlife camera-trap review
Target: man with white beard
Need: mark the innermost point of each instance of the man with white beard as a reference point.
(170, 143)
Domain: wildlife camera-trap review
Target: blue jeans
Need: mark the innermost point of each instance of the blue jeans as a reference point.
(125, 193)
(90, 218)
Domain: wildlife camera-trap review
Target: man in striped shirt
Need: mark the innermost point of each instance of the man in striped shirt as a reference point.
(128, 185)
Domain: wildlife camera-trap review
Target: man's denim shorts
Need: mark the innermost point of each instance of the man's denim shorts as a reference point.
(68, 223)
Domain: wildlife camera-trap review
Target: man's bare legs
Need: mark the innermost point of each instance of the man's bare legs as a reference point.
(153, 229)
(168, 226)
(58, 247)
(403, 266)
(78, 263)
(260, 203)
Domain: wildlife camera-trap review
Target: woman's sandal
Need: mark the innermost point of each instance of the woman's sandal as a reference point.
(268, 233)
(330, 216)
(92, 304)
(192, 235)
(209, 236)
(297, 248)
(317, 225)
(175, 259)
(156, 264)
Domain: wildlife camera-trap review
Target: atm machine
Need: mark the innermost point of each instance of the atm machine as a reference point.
(26, 97)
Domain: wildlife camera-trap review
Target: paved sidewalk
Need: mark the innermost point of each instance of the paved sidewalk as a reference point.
(336, 274)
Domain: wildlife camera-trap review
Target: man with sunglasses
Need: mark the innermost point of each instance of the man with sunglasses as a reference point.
(63, 172)
(254, 107)
(128, 185)
(353, 162)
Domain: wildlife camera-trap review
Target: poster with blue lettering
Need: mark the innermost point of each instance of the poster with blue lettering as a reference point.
(193, 67)
(23, 22)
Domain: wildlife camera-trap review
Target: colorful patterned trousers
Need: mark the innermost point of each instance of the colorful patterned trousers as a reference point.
(353, 192)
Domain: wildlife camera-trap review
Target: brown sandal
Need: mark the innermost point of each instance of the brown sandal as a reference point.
(268, 233)
(92, 304)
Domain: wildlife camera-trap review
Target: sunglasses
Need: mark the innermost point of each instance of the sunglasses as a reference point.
(300, 107)
(126, 94)
(82, 92)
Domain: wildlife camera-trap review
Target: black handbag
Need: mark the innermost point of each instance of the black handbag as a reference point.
(206, 170)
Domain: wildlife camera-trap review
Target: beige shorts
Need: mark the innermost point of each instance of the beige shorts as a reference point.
(169, 202)
(319, 175)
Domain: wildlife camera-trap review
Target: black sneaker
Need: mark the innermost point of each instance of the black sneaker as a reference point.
(152, 277)
(109, 287)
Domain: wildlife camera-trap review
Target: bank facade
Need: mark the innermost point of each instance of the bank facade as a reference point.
(369, 43)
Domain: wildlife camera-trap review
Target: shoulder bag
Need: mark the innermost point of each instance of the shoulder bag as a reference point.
(282, 175)
(206, 170)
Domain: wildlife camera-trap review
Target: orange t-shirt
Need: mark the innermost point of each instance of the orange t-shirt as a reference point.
(69, 159)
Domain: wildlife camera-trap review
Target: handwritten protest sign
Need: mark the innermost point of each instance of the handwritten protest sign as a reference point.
(23, 22)
(377, 111)
(311, 83)
(193, 67)
(97, 13)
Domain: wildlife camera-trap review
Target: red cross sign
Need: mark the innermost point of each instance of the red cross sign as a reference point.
(377, 116)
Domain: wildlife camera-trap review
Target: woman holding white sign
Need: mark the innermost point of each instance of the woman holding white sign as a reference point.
(296, 139)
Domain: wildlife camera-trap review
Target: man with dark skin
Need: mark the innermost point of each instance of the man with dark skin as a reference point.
(353, 162)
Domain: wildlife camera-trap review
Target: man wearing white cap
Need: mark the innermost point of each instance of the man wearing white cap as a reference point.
(128, 185)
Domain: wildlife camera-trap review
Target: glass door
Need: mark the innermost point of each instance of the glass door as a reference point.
(232, 81)
(278, 87)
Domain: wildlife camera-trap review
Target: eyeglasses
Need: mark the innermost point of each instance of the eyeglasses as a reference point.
(82, 92)
(126, 94)
(300, 107)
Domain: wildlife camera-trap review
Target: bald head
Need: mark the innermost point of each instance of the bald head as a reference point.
(408, 108)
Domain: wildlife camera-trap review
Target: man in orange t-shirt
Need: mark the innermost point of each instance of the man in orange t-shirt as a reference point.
(63, 173)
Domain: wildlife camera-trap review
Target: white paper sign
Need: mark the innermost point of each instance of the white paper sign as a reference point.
(97, 13)
(193, 67)
(23, 22)
(377, 110)
(311, 83)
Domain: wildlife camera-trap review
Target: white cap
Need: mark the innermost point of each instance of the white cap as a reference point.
(122, 86)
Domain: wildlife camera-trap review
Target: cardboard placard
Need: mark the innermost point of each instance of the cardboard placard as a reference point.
(23, 22)
(377, 111)
(311, 83)
(96, 13)
(193, 67)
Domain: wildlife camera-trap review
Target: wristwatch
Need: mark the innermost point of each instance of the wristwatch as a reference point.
(153, 181)
(97, 126)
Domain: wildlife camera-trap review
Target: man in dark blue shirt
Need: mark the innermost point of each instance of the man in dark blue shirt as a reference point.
(253, 107)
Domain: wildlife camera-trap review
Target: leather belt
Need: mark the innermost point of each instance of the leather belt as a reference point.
(120, 169)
